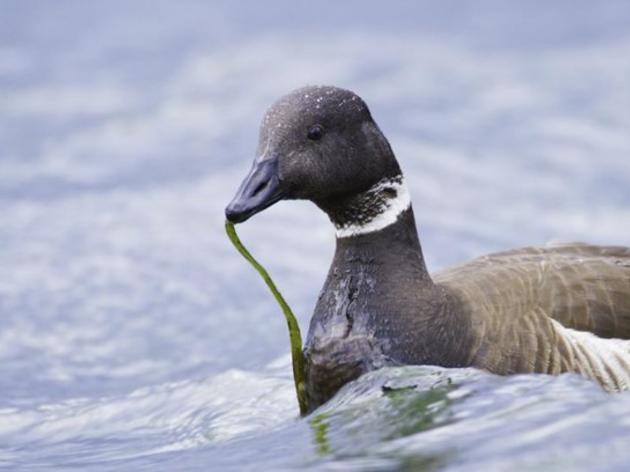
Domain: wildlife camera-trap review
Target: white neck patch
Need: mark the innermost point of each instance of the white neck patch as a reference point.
(394, 207)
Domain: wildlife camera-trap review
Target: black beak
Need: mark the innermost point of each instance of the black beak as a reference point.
(259, 190)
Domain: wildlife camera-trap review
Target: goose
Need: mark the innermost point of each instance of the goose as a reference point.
(550, 310)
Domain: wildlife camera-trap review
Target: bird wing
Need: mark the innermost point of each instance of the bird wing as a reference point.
(583, 287)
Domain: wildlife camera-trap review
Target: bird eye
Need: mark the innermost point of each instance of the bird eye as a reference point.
(315, 132)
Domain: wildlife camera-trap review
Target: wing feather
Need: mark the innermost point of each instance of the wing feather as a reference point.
(583, 287)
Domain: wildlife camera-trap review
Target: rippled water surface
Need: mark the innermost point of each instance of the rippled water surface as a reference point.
(133, 337)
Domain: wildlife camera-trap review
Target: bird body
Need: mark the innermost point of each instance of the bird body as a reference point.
(561, 308)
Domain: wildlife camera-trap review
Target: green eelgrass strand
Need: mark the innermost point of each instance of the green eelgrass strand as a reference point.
(297, 357)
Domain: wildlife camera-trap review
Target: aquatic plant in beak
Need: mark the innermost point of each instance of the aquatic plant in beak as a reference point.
(295, 337)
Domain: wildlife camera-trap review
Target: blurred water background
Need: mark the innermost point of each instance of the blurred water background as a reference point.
(133, 336)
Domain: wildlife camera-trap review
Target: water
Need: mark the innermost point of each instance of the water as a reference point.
(134, 337)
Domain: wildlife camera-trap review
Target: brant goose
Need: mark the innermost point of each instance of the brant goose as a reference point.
(560, 308)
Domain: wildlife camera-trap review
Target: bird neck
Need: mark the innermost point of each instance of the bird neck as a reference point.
(395, 249)
(378, 226)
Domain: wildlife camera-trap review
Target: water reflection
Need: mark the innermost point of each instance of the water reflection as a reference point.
(320, 431)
